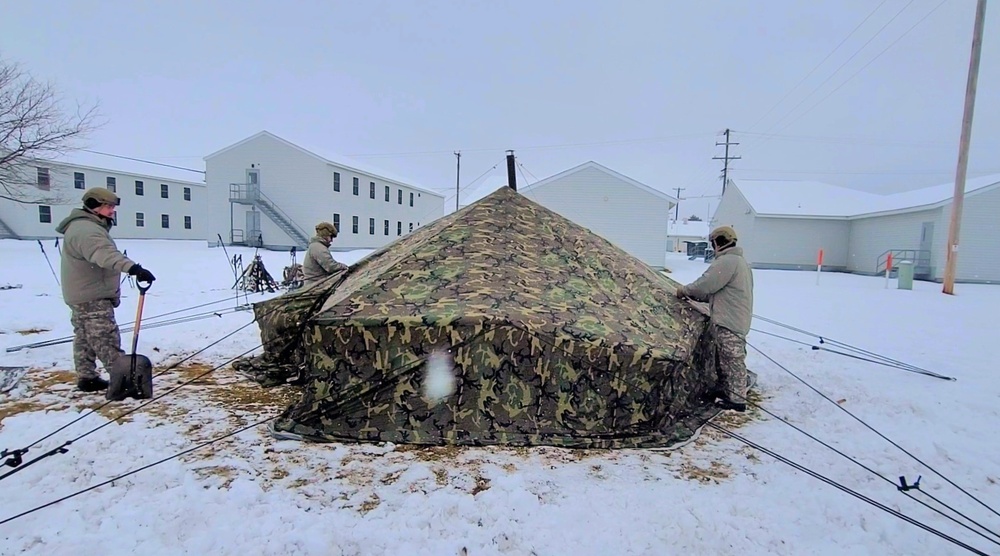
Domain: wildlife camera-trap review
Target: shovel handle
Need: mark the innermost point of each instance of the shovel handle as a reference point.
(143, 289)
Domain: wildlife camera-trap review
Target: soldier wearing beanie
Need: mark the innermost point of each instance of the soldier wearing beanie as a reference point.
(90, 267)
(318, 263)
(727, 286)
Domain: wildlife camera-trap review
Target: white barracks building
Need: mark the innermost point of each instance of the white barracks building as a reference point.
(262, 191)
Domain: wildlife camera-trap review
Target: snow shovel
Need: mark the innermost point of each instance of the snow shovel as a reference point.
(132, 374)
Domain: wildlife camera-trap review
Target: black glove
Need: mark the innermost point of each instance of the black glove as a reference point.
(141, 274)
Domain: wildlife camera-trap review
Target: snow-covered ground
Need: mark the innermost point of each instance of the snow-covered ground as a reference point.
(252, 494)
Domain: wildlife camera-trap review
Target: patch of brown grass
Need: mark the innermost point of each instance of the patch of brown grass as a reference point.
(390, 478)
(370, 504)
(231, 393)
(17, 407)
(431, 453)
(226, 473)
(715, 472)
(30, 331)
(441, 476)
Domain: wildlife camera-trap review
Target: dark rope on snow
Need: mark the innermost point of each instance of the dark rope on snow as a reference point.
(127, 327)
(902, 490)
(15, 457)
(824, 340)
(902, 367)
(845, 489)
(869, 427)
(352, 400)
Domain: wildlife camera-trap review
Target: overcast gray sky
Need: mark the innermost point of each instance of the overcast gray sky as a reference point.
(643, 87)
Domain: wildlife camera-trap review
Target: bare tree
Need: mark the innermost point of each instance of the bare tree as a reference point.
(35, 127)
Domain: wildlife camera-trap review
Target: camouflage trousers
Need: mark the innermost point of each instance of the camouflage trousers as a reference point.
(95, 336)
(731, 354)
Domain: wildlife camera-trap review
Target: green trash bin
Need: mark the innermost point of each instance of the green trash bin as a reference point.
(904, 275)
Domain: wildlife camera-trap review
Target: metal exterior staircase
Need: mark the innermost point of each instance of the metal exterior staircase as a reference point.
(920, 258)
(6, 232)
(250, 194)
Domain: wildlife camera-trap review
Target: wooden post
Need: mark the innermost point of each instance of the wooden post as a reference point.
(954, 229)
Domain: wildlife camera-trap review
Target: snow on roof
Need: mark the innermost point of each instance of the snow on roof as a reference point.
(823, 200)
(591, 164)
(691, 228)
(337, 160)
(116, 164)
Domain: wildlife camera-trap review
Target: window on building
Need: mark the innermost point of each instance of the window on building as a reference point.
(387, 193)
(139, 188)
(187, 222)
(371, 226)
(399, 228)
(400, 196)
(79, 180)
(336, 221)
(354, 224)
(411, 226)
(385, 227)
(411, 198)
(112, 184)
(164, 191)
(45, 214)
(371, 190)
(43, 179)
(187, 193)
(356, 184)
(164, 220)
(336, 181)
(140, 220)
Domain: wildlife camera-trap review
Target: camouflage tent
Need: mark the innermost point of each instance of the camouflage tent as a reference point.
(557, 337)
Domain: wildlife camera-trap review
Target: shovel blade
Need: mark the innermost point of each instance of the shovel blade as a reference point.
(126, 383)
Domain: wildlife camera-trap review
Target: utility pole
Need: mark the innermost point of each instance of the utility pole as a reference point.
(725, 159)
(677, 207)
(511, 176)
(963, 152)
(458, 173)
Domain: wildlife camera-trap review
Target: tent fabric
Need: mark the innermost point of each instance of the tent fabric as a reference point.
(557, 337)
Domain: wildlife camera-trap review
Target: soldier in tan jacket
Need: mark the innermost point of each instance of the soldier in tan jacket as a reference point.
(727, 286)
(318, 263)
(91, 267)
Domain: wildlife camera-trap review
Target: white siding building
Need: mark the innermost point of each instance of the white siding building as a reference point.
(627, 213)
(681, 231)
(152, 207)
(267, 191)
(784, 224)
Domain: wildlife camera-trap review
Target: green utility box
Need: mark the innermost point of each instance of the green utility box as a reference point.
(904, 275)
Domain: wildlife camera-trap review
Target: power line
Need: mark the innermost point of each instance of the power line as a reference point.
(540, 147)
(862, 68)
(841, 66)
(816, 67)
(880, 173)
(144, 161)
(847, 140)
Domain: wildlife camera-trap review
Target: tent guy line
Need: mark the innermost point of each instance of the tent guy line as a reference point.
(871, 428)
(409, 367)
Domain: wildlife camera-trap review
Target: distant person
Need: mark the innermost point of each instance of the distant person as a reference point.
(727, 286)
(90, 268)
(318, 263)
